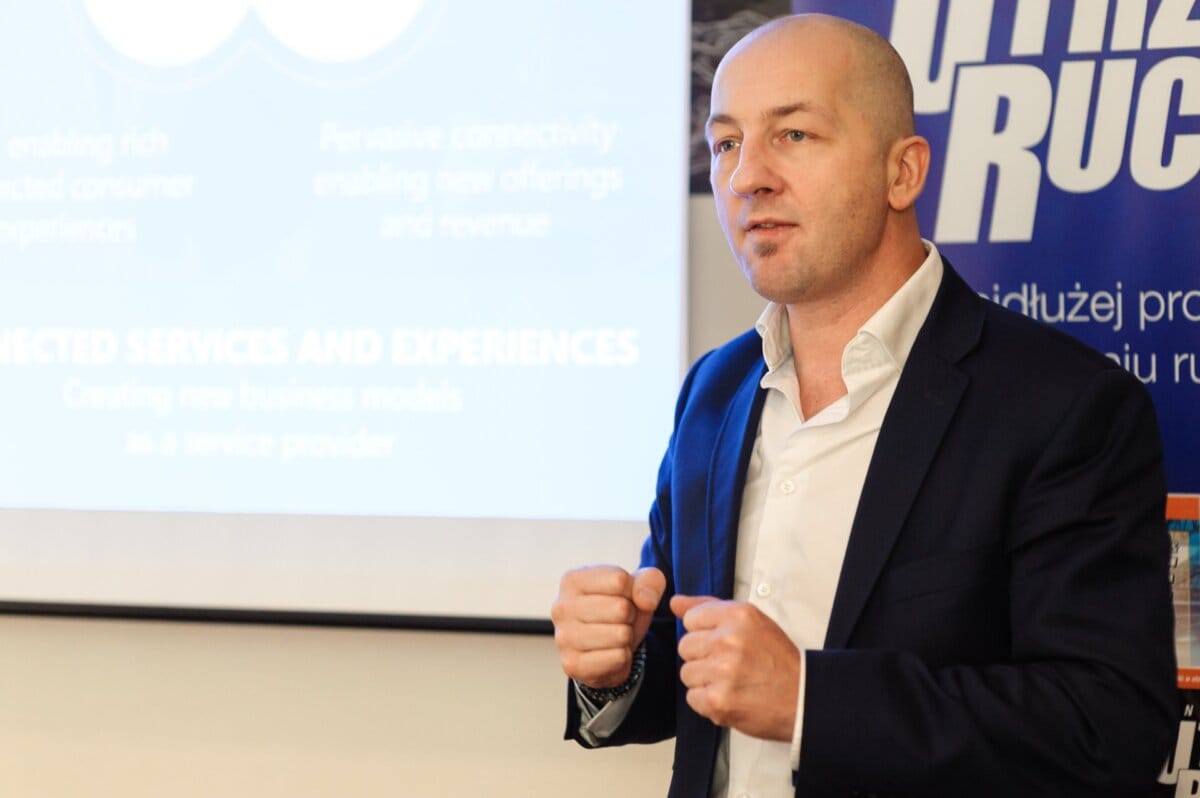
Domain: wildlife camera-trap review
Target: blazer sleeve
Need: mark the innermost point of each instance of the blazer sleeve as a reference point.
(1085, 703)
(651, 717)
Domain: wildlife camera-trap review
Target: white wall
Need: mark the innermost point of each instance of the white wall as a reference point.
(132, 709)
(138, 709)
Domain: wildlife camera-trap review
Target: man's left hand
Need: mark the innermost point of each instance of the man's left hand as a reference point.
(740, 669)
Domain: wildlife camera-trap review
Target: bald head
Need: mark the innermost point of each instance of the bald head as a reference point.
(814, 165)
(874, 76)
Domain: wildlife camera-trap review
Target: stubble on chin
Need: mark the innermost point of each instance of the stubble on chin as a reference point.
(784, 287)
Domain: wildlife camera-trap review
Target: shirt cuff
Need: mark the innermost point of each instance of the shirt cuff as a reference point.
(597, 724)
(798, 729)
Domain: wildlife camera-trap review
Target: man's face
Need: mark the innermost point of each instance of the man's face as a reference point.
(798, 173)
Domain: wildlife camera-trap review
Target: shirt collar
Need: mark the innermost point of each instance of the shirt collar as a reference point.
(896, 324)
(772, 328)
(882, 344)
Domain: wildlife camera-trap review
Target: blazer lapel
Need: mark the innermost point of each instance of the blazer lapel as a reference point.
(727, 477)
(925, 400)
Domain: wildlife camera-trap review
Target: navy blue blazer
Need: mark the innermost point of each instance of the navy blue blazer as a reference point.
(1002, 623)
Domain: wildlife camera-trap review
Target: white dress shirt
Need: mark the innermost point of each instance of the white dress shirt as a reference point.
(802, 489)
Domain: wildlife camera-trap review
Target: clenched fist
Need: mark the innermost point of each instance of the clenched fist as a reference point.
(600, 617)
(740, 669)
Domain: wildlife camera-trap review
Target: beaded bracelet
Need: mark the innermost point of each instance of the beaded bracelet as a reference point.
(602, 695)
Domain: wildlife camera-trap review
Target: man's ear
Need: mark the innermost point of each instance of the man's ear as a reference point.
(908, 165)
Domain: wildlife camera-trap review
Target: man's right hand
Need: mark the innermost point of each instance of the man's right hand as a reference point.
(600, 617)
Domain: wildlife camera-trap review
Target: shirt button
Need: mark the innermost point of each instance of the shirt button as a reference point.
(763, 590)
(787, 486)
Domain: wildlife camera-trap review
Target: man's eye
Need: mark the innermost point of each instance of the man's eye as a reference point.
(796, 135)
(724, 145)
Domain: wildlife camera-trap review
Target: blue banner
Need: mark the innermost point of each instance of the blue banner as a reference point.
(1066, 149)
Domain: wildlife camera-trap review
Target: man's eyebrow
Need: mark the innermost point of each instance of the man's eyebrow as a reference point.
(802, 106)
(778, 112)
(718, 119)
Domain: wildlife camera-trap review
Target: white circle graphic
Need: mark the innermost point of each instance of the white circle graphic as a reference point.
(337, 32)
(166, 33)
(170, 33)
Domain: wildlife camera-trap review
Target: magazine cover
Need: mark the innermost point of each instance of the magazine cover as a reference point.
(1183, 521)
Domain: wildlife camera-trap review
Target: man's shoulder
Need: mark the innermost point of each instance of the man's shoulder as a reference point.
(716, 376)
(742, 352)
(1010, 345)
(1031, 373)
(729, 363)
(1037, 347)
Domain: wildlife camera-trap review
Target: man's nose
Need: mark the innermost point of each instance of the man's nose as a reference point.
(755, 173)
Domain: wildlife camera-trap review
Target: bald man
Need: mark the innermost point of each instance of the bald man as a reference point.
(904, 541)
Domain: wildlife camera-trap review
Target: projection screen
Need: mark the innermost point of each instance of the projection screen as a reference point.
(353, 307)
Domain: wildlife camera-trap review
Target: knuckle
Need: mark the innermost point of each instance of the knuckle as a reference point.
(605, 579)
(570, 579)
(564, 638)
(616, 609)
(621, 582)
(742, 613)
(690, 676)
(718, 699)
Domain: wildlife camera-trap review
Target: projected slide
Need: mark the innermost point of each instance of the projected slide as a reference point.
(323, 306)
(380, 258)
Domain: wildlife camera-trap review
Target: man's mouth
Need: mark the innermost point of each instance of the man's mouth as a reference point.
(767, 224)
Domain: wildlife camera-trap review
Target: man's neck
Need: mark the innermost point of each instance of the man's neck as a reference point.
(821, 328)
